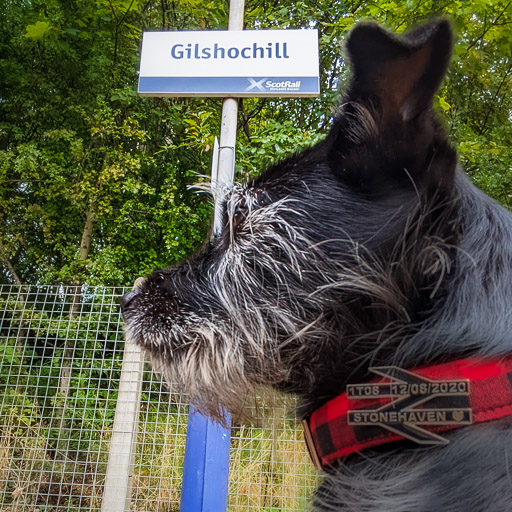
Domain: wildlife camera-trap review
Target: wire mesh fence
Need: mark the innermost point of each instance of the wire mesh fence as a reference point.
(61, 352)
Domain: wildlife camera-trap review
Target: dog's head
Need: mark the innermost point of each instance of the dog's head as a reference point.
(325, 254)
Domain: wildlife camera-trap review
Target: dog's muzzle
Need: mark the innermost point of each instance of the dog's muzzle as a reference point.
(127, 299)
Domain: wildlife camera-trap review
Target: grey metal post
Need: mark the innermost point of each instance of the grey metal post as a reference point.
(118, 480)
(227, 143)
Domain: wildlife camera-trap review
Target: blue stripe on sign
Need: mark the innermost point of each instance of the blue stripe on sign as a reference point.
(229, 85)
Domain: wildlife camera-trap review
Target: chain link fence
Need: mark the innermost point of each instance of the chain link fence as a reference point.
(61, 351)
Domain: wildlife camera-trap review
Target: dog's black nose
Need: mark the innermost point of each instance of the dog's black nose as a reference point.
(127, 298)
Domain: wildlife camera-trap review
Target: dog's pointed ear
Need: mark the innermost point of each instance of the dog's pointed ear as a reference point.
(400, 73)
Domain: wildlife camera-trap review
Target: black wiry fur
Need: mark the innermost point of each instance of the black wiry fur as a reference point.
(370, 248)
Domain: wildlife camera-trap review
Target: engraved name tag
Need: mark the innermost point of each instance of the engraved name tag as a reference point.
(403, 414)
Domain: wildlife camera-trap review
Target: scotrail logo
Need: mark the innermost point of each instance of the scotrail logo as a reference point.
(265, 85)
(256, 85)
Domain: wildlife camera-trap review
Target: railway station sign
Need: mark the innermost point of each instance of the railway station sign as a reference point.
(245, 63)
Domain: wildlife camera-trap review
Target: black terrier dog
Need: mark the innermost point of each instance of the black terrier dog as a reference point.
(370, 253)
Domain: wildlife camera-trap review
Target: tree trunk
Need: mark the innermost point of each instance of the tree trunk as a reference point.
(8, 264)
(85, 244)
(69, 348)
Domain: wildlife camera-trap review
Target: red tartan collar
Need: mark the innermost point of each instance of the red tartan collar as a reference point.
(415, 405)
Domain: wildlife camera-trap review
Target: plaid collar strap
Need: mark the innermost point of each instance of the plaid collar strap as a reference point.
(417, 405)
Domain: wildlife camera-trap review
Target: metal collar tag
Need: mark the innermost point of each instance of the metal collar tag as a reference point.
(402, 415)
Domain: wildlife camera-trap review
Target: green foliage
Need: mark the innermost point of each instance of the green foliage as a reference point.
(81, 153)
(34, 340)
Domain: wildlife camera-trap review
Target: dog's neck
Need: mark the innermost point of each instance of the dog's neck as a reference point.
(455, 323)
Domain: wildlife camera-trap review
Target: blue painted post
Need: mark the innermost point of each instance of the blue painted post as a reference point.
(205, 474)
(216, 470)
(193, 469)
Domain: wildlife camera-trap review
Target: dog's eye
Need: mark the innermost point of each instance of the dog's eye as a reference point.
(238, 217)
(238, 214)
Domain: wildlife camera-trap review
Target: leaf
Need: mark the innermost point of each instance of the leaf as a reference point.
(38, 30)
(444, 104)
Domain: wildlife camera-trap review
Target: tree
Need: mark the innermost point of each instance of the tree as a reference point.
(95, 182)
(90, 188)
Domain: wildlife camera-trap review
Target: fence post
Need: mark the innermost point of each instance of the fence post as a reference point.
(121, 458)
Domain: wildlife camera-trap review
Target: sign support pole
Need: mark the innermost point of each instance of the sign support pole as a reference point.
(206, 467)
(228, 127)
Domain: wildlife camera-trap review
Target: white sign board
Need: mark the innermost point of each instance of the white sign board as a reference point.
(242, 63)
